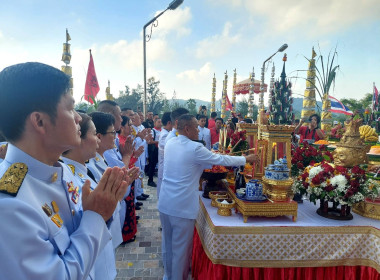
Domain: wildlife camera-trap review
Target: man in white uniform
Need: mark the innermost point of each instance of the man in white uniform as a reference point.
(204, 132)
(46, 235)
(167, 127)
(174, 117)
(178, 203)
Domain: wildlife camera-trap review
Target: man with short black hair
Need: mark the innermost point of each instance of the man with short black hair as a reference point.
(148, 123)
(215, 131)
(53, 229)
(174, 118)
(167, 127)
(153, 152)
(204, 132)
(128, 112)
(179, 197)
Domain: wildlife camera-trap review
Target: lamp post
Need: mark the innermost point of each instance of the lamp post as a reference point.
(261, 98)
(172, 6)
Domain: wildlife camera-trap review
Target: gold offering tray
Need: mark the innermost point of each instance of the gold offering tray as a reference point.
(278, 128)
(367, 209)
(265, 209)
(248, 125)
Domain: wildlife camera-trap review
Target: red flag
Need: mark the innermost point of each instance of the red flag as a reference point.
(228, 104)
(92, 85)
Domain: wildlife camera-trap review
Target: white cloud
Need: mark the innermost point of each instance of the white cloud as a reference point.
(197, 76)
(308, 16)
(217, 45)
(172, 21)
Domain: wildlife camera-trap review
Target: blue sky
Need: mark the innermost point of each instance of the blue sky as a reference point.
(200, 38)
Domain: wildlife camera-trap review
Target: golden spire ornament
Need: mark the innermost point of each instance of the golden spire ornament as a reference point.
(224, 94)
(309, 101)
(109, 96)
(66, 58)
(233, 92)
(213, 92)
(251, 95)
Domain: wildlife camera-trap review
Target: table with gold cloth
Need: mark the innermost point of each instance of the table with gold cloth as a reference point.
(277, 248)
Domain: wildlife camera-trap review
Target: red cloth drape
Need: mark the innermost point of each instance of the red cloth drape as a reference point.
(204, 269)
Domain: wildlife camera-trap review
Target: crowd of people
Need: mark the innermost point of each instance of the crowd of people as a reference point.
(71, 182)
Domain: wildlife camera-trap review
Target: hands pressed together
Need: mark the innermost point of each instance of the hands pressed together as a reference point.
(110, 190)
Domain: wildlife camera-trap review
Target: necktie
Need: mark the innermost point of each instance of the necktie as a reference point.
(89, 173)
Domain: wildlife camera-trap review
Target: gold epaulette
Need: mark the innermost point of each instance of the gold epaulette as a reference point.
(12, 179)
(72, 167)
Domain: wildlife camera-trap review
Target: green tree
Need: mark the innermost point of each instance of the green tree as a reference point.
(192, 106)
(155, 97)
(242, 107)
(130, 100)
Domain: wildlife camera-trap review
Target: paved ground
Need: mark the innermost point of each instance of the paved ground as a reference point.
(142, 259)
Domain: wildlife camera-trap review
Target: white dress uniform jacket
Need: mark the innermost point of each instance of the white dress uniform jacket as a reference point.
(113, 156)
(105, 266)
(97, 166)
(184, 162)
(34, 243)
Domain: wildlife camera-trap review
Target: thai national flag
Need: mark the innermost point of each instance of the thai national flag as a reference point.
(338, 107)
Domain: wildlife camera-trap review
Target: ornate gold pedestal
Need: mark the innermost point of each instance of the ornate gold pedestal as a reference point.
(266, 209)
(278, 190)
(277, 134)
(225, 209)
(367, 209)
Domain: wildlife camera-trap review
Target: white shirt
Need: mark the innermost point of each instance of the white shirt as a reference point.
(141, 161)
(171, 134)
(155, 134)
(184, 162)
(205, 135)
(161, 148)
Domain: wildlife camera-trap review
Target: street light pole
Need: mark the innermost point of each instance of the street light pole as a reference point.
(146, 38)
(261, 98)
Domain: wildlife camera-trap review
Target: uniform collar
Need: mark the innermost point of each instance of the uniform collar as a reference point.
(79, 168)
(36, 168)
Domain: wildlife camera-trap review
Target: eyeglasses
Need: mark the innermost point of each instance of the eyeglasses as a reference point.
(113, 132)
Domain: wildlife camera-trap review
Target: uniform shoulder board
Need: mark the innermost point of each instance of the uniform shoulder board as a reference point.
(72, 167)
(12, 179)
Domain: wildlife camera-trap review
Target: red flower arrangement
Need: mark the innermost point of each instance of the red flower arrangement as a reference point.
(216, 169)
(346, 186)
(308, 155)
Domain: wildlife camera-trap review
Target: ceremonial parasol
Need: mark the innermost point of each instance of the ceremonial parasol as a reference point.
(243, 87)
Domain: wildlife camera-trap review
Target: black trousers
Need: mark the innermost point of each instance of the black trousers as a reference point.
(153, 160)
